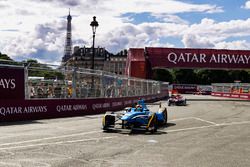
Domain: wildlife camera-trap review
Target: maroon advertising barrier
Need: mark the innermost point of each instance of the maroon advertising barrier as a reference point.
(184, 88)
(14, 106)
(232, 95)
(198, 58)
(19, 110)
(11, 83)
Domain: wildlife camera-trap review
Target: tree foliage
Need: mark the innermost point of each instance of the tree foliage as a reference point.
(201, 76)
(162, 75)
(5, 57)
(35, 68)
(42, 70)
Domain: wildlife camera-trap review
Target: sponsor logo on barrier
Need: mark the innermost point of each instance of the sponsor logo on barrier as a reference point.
(76, 107)
(198, 58)
(4, 111)
(11, 83)
(106, 105)
(183, 87)
(127, 102)
(100, 106)
(7, 83)
(135, 101)
(203, 58)
(231, 95)
(244, 96)
(115, 104)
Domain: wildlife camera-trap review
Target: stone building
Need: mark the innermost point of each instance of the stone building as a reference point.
(103, 60)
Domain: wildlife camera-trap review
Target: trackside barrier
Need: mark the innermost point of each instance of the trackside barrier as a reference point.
(232, 95)
(232, 90)
(27, 97)
(19, 110)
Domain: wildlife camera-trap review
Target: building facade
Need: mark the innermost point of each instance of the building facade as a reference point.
(103, 60)
(116, 64)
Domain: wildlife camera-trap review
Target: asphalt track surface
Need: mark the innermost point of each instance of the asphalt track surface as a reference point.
(209, 131)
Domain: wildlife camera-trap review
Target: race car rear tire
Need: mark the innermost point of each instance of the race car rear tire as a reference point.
(155, 125)
(152, 125)
(169, 104)
(165, 115)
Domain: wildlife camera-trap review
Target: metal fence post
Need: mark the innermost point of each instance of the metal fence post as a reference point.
(74, 83)
(26, 82)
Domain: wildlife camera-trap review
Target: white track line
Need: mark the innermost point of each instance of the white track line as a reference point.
(180, 119)
(186, 129)
(49, 138)
(213, 123)
(209, 126)
(56, 143)
(235, 123)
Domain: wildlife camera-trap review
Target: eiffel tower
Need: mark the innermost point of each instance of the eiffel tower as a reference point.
(68, 41)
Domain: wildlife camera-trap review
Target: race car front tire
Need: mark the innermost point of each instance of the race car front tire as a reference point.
(108, 121)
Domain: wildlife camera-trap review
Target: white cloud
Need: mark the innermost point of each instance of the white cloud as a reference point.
(210, 34)
(195, 41)
(141, 35)
(45, 39)
(235, 45)
(247, 5)
(170, 18)
(41, 26)
(162, 6)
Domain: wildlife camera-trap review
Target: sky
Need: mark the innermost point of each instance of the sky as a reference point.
(36, 29)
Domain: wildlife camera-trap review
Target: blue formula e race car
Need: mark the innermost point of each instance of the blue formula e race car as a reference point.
(136, 118)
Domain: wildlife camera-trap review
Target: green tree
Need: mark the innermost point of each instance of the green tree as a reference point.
(162, 75)
(241, 75)
(185, 76)
(5, 57)
(42, 70)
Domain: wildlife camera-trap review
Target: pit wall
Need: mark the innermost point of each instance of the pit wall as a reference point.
(22, 110)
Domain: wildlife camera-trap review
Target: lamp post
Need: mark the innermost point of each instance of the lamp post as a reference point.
(94, 24)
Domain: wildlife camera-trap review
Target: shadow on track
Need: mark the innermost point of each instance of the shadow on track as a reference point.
(20, 123)
(140, 132)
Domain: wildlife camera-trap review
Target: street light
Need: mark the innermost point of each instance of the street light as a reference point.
(94, 24)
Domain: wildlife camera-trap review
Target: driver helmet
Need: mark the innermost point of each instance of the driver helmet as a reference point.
(138, 106)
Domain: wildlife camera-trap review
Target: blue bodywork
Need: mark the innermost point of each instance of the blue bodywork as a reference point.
(139, 117)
